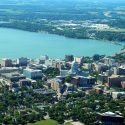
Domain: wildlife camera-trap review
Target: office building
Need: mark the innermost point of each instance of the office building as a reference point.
(43, 59)
(12, 77)
(82, 81)
(57, 85)
(6, 63)
(25, 83)
(109, 118)
(87, 81)
(8, 70)
(115, 81)
(69, 58)
(121, 70)
(22, 61)
(32, 73)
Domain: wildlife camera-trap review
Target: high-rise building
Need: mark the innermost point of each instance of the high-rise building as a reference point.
(69, 58)
(5, 62)
(22, 61)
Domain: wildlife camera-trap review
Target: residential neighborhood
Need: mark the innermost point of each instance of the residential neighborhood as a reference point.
(46, 88)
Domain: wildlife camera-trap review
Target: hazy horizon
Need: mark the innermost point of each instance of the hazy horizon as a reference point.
(35, 1)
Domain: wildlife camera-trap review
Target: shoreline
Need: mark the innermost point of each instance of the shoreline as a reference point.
(87, 47)
(119, 43)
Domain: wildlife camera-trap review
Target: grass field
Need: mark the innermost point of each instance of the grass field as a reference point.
(48, 122)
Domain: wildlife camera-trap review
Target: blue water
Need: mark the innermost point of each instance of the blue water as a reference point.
(17, 43)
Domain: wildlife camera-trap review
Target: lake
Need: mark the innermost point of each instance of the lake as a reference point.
(17, 43)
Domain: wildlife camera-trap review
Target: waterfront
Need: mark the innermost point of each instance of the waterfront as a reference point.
(16, 43)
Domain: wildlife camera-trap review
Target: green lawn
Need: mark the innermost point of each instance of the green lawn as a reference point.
(48, 122)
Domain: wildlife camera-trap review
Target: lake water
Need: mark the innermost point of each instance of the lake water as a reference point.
(17, 43)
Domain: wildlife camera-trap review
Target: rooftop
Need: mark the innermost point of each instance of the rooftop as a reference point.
(110, 114)
(122, 67)
(32, 70)
(9, 68)
(12, 75)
